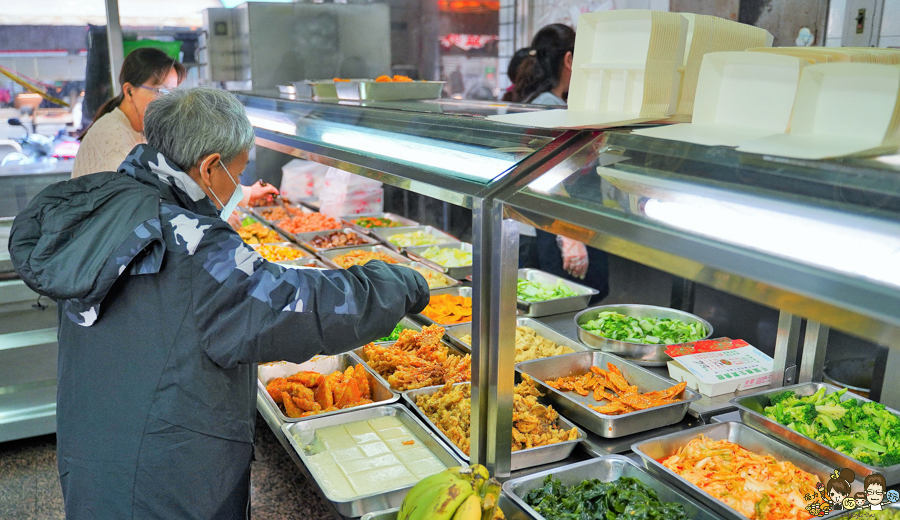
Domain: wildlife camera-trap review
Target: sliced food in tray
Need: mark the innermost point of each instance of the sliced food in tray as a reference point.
(534, 340)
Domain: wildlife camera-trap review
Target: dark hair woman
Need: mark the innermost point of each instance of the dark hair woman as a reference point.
(512, 73)
(838, 488)
(543, 77)
(146, 74)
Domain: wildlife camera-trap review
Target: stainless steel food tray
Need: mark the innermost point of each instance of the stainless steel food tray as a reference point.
(456, 291)
(371, 90)
(640, 353)
(519, 459)
(751, 410)
(381, 392)
(393, 216)
(559, 305)
(862, 514)
(257, 213)
(575, 407)
(510, 509)
(303, 434)
(311, 263)
(287, 89)
(364, 359)
(456, 272)
(322, 89)
(331, 254)
(385, 234)
(305, 239)
(605, 469)
(450, 281)
(455, 332)
(654, 450)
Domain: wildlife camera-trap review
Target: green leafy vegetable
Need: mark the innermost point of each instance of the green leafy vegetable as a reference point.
(625, 498)
(395, 335)
(865, 431)
(653, 331)
(248, 221)
(448, 257)
(531, 291)
(415, 238)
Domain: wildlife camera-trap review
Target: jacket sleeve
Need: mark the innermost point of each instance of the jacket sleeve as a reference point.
(249, 310)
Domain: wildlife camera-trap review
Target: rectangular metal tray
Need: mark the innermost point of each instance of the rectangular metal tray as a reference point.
(575, 406)
(322, 89)
(381, 392)
(393, 216)
(519, 459)
(305, 239)
(385, 500)
(316, 264)
(385, 234)
(605, 469)
(371, 90)
(364, 359)
(450, 281)
(455, 332)
(331, 254)
(559, 305)
(457, 291)
(751, 410)
(657, 449)
(510, 509)
(456, 272)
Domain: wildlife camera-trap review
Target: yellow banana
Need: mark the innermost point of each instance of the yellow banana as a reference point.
(470, 509)
(480, 475)
(490, 499)
(446, 503)
(414, 498)
(464, 472)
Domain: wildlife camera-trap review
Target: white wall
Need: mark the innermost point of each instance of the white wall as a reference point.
(890, 23)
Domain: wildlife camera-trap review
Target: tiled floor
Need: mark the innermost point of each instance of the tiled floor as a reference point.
(29, 485)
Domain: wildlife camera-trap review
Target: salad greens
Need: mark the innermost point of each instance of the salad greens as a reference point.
(865, 431)
(415, 238)
(593, 499)
(448, 257)
(531, 291)
(652, 331)
(394, 336)
(248, 221)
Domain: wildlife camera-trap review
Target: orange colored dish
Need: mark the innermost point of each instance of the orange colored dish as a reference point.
(448, 309)
(309, 393)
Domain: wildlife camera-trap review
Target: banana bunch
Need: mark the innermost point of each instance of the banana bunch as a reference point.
(460, 493)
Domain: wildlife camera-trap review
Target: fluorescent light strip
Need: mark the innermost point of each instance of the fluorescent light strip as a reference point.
(836, 247)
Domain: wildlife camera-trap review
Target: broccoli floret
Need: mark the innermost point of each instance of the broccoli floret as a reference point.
(804, 429)
(804, 413)
(777, 398)
(869, 445)
(826, 421)
(862, 455)
(834, 398)
(849, 403)
(832, 411)
(817, 397)
(891, 458)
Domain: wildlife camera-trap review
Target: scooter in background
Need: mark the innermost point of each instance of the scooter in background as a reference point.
(35, 148)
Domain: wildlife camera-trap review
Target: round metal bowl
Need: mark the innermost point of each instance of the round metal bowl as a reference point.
(640, 353)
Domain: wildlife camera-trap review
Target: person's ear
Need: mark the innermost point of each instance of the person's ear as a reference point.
(207, 165)
(567, 60)
(128, 89)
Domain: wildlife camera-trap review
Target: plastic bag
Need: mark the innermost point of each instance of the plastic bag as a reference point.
(344, 193)
(302, 179)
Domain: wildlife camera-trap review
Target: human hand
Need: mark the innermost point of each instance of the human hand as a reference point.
(574, 256)
(259, 190)
(234, 221)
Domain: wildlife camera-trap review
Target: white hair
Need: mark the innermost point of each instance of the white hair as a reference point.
(189, 124)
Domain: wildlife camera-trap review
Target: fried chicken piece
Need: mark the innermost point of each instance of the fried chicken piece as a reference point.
(307, 405)
(668, 393)
(615, 408)
(308, 379)
(290, 408)
(362, 382)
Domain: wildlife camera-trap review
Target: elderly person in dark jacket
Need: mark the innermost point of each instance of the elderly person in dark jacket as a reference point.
(164, 311)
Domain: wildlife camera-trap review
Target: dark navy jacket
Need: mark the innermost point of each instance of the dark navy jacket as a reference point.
(163, 313)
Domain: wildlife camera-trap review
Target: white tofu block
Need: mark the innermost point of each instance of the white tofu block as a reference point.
(383, 423)
(381, 479)
(358, 428)
(397, 445)
(394, 433)
(373, 449)
(348, 454)
(334, 482)
(426, 467)
(364, 438)
(415, 454)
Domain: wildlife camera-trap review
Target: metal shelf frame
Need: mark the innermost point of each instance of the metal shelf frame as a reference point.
(554, 184)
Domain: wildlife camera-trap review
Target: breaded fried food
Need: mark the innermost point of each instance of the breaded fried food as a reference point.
(534, 424)
(418, 359)
(308, 393)
(530, 345)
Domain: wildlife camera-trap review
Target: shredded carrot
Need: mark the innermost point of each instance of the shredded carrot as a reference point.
(448, 309)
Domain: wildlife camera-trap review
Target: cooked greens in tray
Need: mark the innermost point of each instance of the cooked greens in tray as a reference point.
(653, 331)
(625, 498)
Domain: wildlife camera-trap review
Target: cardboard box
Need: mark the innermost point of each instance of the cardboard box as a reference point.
(724, 371)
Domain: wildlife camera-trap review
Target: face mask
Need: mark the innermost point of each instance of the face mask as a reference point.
(232, 203)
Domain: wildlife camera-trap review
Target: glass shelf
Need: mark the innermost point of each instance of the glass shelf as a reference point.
(443, 142)
(818, 238)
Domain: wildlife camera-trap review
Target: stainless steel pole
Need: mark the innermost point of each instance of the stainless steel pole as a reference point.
(786, 342)
(815, 342)
(114, 37)
(494, 336)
